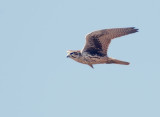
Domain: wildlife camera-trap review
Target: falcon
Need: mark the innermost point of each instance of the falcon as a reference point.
(96, 47)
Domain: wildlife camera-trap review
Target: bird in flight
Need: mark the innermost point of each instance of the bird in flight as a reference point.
(96, 46)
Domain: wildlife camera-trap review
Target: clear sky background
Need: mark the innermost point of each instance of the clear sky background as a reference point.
(37, 80)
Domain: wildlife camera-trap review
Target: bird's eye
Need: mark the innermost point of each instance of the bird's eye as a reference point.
(71, 53)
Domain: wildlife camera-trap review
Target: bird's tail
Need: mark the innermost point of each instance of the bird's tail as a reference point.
(115, 61)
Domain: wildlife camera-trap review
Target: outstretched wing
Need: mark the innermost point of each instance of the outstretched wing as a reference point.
(97, 42)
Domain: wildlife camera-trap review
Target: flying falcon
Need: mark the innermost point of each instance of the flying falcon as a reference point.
(96, 46)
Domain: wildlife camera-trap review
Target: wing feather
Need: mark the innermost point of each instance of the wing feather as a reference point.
(97, 42)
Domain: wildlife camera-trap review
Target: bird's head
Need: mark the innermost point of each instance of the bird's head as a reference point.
(73, 54)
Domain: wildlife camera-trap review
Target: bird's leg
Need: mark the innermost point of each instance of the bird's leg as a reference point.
(91, 65)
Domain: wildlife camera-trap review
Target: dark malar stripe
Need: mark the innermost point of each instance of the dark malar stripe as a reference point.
(73, 57)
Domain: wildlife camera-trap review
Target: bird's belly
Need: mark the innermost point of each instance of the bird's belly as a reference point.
(96, 60)
(92, 60)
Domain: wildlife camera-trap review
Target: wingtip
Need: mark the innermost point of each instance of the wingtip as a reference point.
(135, 29)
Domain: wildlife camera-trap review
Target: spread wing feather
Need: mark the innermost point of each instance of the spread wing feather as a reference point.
(97, 42)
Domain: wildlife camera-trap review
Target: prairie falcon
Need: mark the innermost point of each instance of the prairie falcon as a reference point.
(96, 46)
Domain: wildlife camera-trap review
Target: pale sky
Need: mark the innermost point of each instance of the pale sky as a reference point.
(37, 80)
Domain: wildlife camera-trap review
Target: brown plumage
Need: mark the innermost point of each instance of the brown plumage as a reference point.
(96, 46)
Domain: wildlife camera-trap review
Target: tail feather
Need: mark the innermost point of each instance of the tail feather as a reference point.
(115, 61)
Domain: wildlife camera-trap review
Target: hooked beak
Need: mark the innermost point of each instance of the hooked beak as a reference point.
(68, 56)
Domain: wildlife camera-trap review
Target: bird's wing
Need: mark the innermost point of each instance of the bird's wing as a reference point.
(97, 42)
